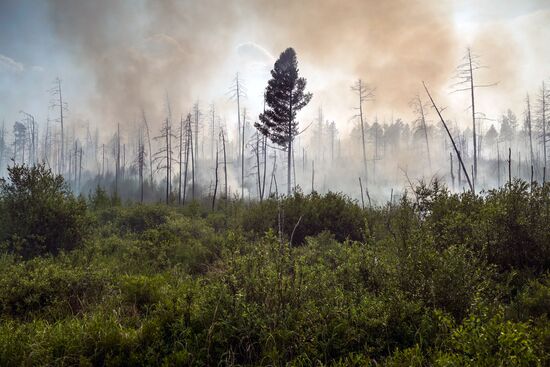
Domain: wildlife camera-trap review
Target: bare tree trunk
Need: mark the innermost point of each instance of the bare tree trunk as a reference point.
(452, 171)
(141, 162)
(242, 155)
(79, 167)
(530, 130)
(180, 159)
(258, 168)
(187, 147)
(510, 166)
(265, 164)
(289, 157)
(102, 160)
(498, 165)
(117, 167)
(361, 98)
(196, 138)
(215, 181)
(544, 137)
(62, 128)
(224, 166)
(192, 163)
(450, 137)
(150, 150)
(425, 128)
(167, 161)
(473, 111)
(312, 176)
(362, 197)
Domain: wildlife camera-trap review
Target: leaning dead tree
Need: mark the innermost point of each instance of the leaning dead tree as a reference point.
(465, 83)
(364, 94)
(450, 137)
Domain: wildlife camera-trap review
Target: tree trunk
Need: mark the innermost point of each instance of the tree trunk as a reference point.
(473, 112)
(450, 137)
(215, 181)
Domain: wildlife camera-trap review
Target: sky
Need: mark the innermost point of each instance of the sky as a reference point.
(116, 58)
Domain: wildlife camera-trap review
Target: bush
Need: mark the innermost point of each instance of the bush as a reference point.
(40, 215)
(307, 215)
(49, 289)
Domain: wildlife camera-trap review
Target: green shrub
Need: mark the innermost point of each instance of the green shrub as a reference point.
(493, 341)
(307, 215)
(49, 289)
(39, 214)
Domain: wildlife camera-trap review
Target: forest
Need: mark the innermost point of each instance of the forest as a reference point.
(173, 193)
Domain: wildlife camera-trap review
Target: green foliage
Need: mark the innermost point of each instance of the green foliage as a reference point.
(39, 214)
(493, 341)
(429, 281)
(306, 215)
(48, 289)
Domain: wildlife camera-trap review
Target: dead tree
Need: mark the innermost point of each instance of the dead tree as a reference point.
(193, 163)
(529, 129)
(419, 108)
(212, 129)
(452, 171)
(2, 147)
(543, 96)
(364, 94)
(312, 175)
(215, 181)
(117, 159)
(242, 153)
(188, 136)
(196, 119)
(141, 163)
(150, 149)
(19, 141)
(224, 163)
(180, 158)
(450, 137)
(510, 166)
(80, 167)
(498, 165)
(163, 157)
(31, 129)
(57, 102)
(362, 197)
(236, 92)
(465, 82)
(333, 132)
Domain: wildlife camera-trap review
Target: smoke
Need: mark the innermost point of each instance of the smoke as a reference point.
(138, 52)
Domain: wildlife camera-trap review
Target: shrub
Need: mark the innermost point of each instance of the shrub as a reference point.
(307, 215)
(40, 215)
(47, 288)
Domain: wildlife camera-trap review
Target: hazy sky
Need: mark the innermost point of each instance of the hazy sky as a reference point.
(116, 57)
